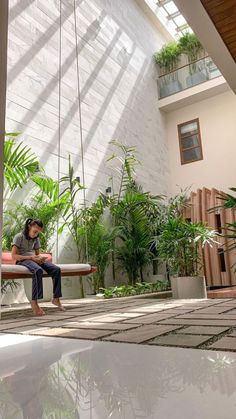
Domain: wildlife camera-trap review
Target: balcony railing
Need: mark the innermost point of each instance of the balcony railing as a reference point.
(187, 76)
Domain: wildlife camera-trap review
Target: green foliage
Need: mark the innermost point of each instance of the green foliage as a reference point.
(5, 285)
(72, 215)
(20, 163)
(100, 244)
(168, 57)
(136, 289)
(15, 215)
(190, 45)
(179, 245)
(133, 252)
(126, 169)
(132, 213)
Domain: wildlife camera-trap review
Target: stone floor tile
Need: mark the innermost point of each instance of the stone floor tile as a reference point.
(196, 322)
(149, 318)
(54, 317)
(176, 311)
(141, 334)
(104, 319)
(231, 312)
(12, 320)
(181, 340)
(203, 330)
(126, 314)
(100, 326)
(34, 329)
(227, 343)
(74, 333)
(18, 324)
(233, 334)
(200, 316)
(69, 313)
(211, 310)
(54, 323)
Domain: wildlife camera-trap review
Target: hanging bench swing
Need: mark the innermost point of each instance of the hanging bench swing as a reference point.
(9, 270)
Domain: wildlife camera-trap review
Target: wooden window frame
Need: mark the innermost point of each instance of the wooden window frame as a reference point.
(181, 136)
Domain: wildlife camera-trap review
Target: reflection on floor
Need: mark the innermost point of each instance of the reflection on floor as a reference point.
(51, 378)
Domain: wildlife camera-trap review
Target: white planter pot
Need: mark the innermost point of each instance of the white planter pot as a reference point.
(188, 287)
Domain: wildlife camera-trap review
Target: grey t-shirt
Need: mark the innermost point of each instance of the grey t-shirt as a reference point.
(26, 247)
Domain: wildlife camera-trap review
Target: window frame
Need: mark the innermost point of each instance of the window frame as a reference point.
(187, 135)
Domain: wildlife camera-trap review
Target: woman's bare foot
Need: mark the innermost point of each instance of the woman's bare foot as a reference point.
(38, 311)
(57, 302)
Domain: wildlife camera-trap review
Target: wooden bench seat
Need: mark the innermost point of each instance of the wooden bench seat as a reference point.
(10, 270)
(67, 269)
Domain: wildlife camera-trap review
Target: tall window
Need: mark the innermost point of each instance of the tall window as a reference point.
(190, 141)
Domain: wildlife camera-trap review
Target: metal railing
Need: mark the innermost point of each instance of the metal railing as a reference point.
(187, 76)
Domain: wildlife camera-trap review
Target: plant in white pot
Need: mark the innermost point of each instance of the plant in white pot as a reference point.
(179, 244)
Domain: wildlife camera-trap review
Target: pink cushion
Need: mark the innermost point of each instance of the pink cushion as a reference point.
(7, 259)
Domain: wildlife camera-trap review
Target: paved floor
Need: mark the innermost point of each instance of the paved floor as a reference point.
(201, 324)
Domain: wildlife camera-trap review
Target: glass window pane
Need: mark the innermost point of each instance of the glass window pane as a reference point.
(191, 155)
(189, 128)
(171, 7)
(189, 142)
(179, 20)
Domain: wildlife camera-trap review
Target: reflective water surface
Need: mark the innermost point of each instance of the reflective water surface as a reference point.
(52, 378)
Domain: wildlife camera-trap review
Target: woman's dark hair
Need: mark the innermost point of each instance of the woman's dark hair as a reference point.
(29, 223)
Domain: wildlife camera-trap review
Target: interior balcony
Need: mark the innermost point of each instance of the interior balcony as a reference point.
(189, 84)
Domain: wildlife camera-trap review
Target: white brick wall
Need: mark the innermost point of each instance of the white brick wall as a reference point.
(118, 86)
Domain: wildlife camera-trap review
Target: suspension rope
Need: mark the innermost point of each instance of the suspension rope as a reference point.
(80, 122)
(59, 123)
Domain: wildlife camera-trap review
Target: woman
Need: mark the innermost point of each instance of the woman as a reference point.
(25, 251)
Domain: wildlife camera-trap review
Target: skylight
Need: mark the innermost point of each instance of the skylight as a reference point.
(177, 21)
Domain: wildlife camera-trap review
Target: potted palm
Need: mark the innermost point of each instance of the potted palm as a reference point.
(167, 60)
(179, 244)
(193, 49)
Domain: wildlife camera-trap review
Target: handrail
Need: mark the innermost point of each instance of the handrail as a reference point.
(183, 66)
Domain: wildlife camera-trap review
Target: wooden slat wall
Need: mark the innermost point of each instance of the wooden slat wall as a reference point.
(201, 202)
(223, 15)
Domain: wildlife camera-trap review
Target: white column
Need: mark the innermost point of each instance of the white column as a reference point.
(3, 77)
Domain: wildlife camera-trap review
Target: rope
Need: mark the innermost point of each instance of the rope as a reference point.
(59, 123)
(80, 122)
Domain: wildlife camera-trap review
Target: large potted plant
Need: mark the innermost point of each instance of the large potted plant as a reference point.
(167, 59)
(190, 45)
(179, 244)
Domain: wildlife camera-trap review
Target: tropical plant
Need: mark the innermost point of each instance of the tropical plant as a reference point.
(180, 243)
(15, 215)
(190, 45)
(73, 216)
(133, 249)
(168, 57)
(133, 212)
(100, 237)
(138, 288)
(20, 163)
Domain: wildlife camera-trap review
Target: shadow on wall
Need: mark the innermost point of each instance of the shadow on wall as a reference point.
(133, 108)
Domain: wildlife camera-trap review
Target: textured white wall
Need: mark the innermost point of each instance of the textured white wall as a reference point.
(118, 87)
(218, 126)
